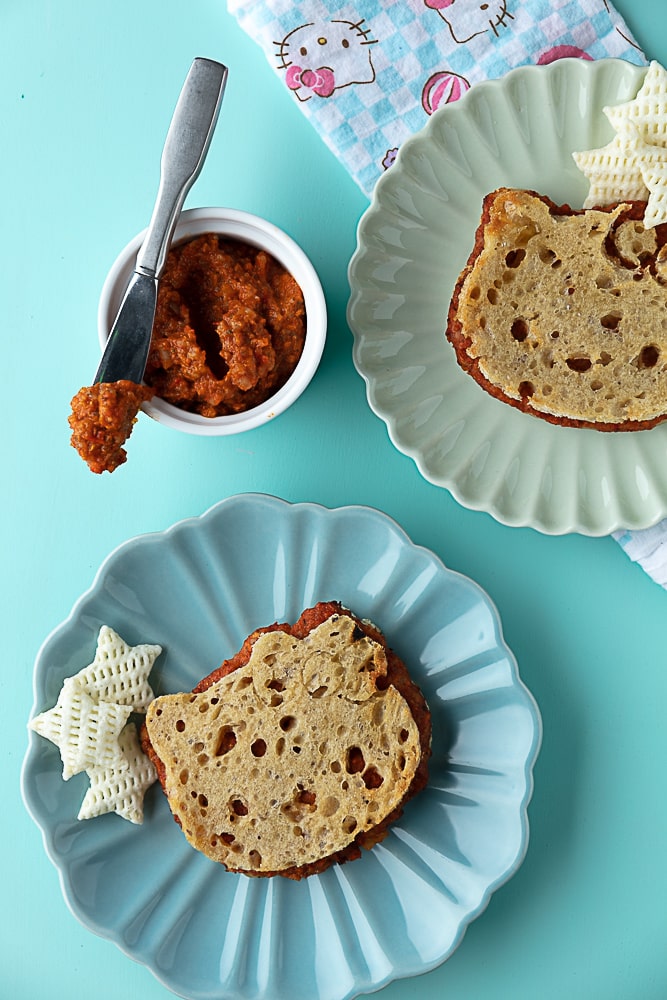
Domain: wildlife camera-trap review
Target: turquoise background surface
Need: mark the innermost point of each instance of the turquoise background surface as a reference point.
(86, 95)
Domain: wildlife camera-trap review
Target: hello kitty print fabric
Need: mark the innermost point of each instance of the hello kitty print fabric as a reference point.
(369, 74)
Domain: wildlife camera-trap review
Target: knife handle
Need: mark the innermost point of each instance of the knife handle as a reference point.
(184, 152)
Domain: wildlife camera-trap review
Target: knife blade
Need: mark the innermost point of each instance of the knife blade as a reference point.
(187, 143)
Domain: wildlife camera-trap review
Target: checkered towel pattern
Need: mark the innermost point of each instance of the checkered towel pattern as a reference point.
(369, 74)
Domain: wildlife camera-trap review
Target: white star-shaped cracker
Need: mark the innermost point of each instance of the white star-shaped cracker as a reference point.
(646, 114)
(653, 160)
(85, 732)
(120, 786)
(613, 172)
(89, 726)
(119, 672)
(633, 165)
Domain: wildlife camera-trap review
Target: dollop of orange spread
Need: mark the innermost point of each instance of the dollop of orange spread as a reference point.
(102, 419)
(229, 329)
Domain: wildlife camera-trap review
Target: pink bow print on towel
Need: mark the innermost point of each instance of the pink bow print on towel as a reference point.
(321, 81)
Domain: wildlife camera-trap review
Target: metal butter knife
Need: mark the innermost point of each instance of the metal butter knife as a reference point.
(183, 156)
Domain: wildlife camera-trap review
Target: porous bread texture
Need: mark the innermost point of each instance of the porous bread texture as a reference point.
(288, 758)
(563, 313)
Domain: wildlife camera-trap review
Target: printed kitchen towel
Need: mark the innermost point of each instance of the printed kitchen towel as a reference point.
(368, 75)
(648, 548)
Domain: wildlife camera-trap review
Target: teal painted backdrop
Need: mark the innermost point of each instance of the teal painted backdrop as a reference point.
(86, 94)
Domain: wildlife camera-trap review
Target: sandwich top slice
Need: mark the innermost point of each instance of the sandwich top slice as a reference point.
(563, 313)
(296, 752)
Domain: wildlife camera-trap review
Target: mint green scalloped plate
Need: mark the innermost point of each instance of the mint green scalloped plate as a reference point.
(413, 241)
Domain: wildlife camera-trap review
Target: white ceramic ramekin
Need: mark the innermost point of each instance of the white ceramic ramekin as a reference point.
(258, 232)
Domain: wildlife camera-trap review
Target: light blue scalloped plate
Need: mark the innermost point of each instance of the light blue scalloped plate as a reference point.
(198, 589)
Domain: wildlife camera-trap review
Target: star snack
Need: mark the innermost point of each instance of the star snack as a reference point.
(634, 164)
(86, 733)
(89, 725)
(119, 673)
(120, 786)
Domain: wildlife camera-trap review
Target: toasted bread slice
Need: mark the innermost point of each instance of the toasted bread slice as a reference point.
(297, 751)
(563, 313)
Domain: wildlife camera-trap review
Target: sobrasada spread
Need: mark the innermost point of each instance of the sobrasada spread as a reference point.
(229, 330)
(102, 419)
